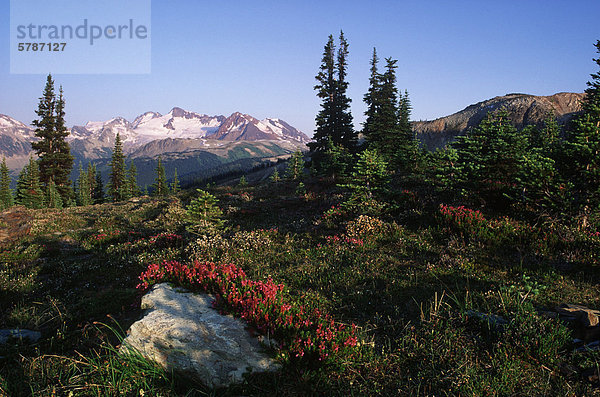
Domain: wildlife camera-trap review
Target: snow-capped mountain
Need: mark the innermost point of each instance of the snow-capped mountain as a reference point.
(150, 134)
(240, 126)
(15, 141)
(183, 124)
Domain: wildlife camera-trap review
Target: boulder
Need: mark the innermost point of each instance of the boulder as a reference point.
(185, 334)
(18, 334)
(583, 315)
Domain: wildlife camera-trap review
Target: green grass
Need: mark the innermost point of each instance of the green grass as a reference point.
(409, 282)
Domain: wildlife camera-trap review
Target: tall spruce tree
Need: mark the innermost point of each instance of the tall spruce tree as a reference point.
(584, 147)
(387, 127)
(325, 87)
(160, 187)
(117, 188)
(343, 125)
(55, 159)
(334, 120)
(6, 194)
(371, 98)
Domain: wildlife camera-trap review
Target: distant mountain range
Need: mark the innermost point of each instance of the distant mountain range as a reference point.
(523, 110)
(197, 144)
(203, 146)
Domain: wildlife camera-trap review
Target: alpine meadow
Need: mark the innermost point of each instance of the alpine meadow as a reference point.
(189, 254)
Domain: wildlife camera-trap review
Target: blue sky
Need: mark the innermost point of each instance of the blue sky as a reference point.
(260, 57)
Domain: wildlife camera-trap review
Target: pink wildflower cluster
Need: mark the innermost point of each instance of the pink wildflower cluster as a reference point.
(330, 217)
(103, 237)
(462, 215)
(473, 223)
(304, 333)
(165, 240)
(344, 239)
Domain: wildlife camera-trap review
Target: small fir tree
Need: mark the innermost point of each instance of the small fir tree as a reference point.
(98, 192)
(489, 160)
(203, 214)
(6, 194)
(295, 166)
(275, 178)
(336, 161)
(134, 189)
(369, 178)
(29, 189)
(84, 192)
(160, 187)
(52, 198)
(175, 188)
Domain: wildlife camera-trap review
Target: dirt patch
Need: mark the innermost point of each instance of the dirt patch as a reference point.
(14, 223)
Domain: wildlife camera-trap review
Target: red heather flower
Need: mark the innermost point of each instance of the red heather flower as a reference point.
(261, 303)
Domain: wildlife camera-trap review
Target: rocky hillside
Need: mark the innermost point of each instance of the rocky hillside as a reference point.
(523, 109)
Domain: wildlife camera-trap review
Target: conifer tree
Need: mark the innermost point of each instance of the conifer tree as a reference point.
(91, 180)
(21, 189)
(539, 185)
(387, 127)
(275, 176)
(583, 162)
(84, 192)
(203, 214)
(55, 159)
(343, 126)
(52, 198)
(63, 159)
(175, 188)
(295, 167)
(372, 98)
(325, 87)
(160, 187)
(134, 189)
(442, 172)
(336, 161)
(243, 182)
(6, 195)
(98, 191)
(117, 185)
(29, 190)
(489, 160)
(334, 120)
(368, 181)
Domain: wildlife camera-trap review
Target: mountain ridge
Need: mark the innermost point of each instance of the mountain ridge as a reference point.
(182, 130)
(523, 109)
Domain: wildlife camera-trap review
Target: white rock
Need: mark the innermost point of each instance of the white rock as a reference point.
(182, 332)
